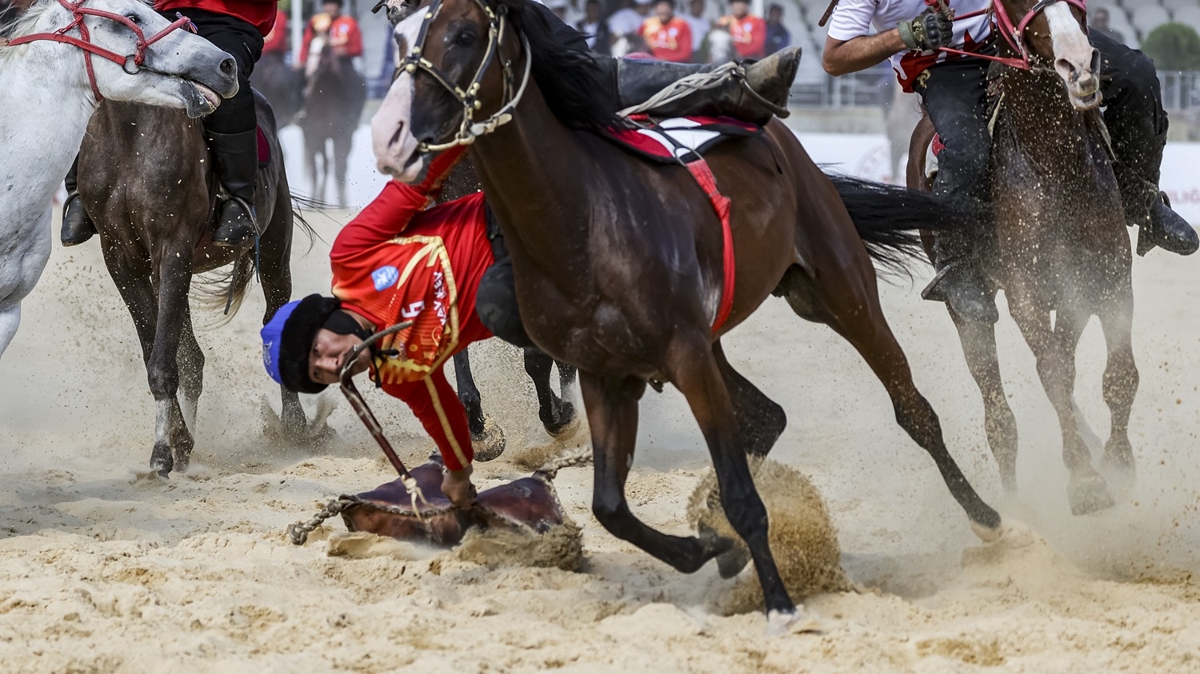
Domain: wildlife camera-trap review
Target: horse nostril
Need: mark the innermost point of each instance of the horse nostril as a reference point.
(228, 67)
(396, 136)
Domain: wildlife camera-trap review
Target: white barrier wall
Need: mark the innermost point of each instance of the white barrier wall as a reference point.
(862, 155)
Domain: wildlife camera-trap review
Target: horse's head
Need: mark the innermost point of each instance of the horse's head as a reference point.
(1054, 31)
(137, 55)
(457, 79)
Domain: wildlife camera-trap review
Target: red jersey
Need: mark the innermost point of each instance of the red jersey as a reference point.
(344, 35)
(670, 41)
(749, 35)
(259, 13)
(277, 40)
(397, 262)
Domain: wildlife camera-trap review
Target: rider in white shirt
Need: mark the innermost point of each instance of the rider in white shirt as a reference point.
(953, 89)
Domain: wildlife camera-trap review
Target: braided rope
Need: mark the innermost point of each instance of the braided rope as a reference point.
(577, 458)
(299, 531)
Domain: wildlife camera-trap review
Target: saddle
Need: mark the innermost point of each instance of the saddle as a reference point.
(683, 141)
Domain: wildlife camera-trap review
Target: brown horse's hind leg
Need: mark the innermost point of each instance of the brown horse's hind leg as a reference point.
(1054, 349)
(1120, 387)
(694, 371)
(760, 420)
(854, 312)
(612, 409)
(979, 348)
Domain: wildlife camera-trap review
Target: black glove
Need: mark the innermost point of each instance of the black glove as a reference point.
(928, 32)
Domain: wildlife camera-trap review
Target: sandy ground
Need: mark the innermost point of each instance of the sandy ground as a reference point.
(101, 572)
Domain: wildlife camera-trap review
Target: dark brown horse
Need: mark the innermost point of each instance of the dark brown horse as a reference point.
(1061, 251)
(619, 262)
(334, 97)
(146, 178)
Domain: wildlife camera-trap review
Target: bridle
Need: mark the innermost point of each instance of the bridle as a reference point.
(1013, 34)
(469, 129)
(131, 63)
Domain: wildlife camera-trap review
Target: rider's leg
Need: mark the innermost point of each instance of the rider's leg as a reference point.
(955, 95)
(1138, 126)
(632, 82)
(635, 81)
(496, 299)
(230, 130)
(77, 227)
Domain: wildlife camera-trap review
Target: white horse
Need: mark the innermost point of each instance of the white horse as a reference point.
(48, 91)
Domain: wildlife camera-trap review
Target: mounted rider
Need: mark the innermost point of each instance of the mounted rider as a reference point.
(237, 27)
(463, 290)
(341, 30)
(953, 90)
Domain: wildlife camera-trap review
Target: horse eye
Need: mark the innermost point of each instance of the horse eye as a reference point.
(465, 38)
(134, 19)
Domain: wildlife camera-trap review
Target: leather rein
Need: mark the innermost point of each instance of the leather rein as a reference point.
(131, 63)
(469, 129)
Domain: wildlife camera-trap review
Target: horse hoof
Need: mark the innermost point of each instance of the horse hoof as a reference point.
(566, 416)
(491, 444)
(780, 623)
(161, 461)
(988, 534)
(1089, 494)
(731, 563)
(1118, 466)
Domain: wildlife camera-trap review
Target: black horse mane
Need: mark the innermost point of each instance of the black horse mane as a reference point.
(574, 86)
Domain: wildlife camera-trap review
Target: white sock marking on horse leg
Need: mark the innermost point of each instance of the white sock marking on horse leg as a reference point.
(162, 421)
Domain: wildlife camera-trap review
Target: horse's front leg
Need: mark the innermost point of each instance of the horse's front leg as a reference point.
(162, 368)
(1054, 349)
(556, 414)
(693, 369)
(487, 438)
(19, 273)
(612, 409)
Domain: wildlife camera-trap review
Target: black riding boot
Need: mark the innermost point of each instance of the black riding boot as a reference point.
(753, 92)
(496, 298)
(77, 227)
(236, 161)
(959, 281)
(1146, 206)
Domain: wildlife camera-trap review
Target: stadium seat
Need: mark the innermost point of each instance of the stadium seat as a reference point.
(1146, 18)
(1189, 15)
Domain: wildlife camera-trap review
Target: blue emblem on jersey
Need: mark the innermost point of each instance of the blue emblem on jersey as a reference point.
(385, 277)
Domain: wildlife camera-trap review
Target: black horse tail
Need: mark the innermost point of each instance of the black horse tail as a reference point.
(889, 219)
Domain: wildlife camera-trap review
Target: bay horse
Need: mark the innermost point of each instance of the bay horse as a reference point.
(147, 181)
(334, 97)
(1061, 252)
(47, 97)
(619, 262)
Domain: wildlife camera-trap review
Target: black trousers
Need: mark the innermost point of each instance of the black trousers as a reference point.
(244, 43)
(955, 95)
(496, 299)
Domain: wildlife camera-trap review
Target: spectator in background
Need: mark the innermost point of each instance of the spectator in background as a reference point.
(276, 42)
(1098, 20)
(778, 37)
(749, 32)
(699, 24)
(595, 30)
(627, 21)
(559, 8)
(344, 35)
(668, 37)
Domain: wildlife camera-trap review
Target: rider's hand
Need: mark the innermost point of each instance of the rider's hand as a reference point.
(456, 485)
(928, 32)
